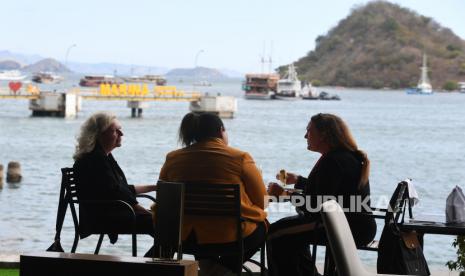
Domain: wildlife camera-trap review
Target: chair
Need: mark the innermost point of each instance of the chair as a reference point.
(206, 200)
(341, 241)
(96, 216)
(395, 211)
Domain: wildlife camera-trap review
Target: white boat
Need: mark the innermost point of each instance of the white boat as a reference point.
(290, 87)
(424, 85)
(462, 87)
(309, 92)
(260, 86)
(46, 77)
(13, 75)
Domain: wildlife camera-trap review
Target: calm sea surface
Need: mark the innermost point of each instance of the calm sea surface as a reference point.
(420, 137)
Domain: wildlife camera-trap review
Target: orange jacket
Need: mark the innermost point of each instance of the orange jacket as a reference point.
(212, 161)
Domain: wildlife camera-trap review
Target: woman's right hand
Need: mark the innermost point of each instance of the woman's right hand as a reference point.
(291, 178)
(274, 189)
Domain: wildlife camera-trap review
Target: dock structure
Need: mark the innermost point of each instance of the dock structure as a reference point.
(68, 103)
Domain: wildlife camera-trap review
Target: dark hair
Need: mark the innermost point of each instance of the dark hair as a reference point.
(337, 134)
(198, 127)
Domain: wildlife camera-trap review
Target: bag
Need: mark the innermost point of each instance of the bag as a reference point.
(61, 212)
(400, 253)
(455, 206)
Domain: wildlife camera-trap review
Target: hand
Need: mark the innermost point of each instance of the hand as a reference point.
(291, 178)
(274, 189)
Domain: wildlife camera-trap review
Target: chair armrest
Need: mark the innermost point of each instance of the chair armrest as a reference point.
(147, 196)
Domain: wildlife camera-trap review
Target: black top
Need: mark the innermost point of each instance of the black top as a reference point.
(99, 177)
(337, 174)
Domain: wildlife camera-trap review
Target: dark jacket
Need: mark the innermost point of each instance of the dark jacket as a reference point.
(337, 174)
(100, 177)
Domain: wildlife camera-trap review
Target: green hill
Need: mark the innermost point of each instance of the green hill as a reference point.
(381, 45)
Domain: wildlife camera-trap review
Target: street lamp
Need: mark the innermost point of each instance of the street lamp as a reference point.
(195, 66)
(67, 54)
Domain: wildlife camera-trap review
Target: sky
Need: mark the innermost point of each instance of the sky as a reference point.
(227, 34)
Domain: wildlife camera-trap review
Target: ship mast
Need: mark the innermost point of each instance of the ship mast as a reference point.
(424, 72)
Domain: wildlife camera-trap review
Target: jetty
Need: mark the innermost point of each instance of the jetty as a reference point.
(69, 102)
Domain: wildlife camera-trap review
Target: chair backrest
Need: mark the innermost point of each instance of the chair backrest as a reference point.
(214, 200)
(169, 216)
(398, 203)
(341, 241)
(68, 181)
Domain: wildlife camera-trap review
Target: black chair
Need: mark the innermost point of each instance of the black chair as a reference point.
(207, 200)
(398, 205)
(97, 216)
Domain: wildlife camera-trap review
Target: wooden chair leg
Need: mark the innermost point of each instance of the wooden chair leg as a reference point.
(99, 243)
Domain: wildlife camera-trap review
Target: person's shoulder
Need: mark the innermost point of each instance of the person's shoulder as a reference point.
(174, 153)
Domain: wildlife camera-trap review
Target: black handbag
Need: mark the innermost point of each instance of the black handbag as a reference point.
(400, 252)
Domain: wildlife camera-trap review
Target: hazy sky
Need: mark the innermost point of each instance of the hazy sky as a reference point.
(233, 34)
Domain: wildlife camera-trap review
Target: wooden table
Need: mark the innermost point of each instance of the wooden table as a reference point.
(69, 264)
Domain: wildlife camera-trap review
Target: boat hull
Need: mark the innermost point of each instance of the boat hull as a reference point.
(259, 96)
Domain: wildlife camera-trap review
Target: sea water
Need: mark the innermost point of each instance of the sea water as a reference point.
(405, 136)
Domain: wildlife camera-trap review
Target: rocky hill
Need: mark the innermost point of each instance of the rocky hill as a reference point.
(381, 45)
(48, 64)
(9, 65)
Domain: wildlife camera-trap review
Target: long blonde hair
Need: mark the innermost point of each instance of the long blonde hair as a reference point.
(338, 135)
(90, 131)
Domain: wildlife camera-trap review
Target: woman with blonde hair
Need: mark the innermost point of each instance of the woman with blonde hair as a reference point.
(341, 173)
(99, 176)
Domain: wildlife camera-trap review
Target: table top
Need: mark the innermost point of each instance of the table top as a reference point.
(431, 227)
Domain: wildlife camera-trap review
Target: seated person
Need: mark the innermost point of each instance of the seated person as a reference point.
(341, 172)
(97, 172)
(206, 157)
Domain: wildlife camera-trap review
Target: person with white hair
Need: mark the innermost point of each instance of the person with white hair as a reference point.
(98, 174)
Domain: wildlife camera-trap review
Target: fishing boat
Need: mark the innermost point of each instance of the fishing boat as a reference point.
(424, 85)
(96, 80)
(260, 86)
(12, 75)
(289, 88)
(46, 77)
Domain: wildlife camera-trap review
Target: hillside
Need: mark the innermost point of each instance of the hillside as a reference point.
(381, 45)
(48, 64)
(9, 65)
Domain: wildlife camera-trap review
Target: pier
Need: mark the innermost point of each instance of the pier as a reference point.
(68, 103)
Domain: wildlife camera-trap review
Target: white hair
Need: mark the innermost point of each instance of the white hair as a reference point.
(90, 131)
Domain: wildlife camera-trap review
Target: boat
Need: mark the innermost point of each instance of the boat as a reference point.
(260, 86)
(12, 75)
(289, 88)
(96, 80)
(309, 92)
(424, 85)
(157, 79)
(203, 83)
(46, 77)
(462, 87)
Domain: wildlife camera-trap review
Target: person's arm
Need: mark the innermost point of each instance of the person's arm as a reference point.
(142, 189)
(253, 182)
